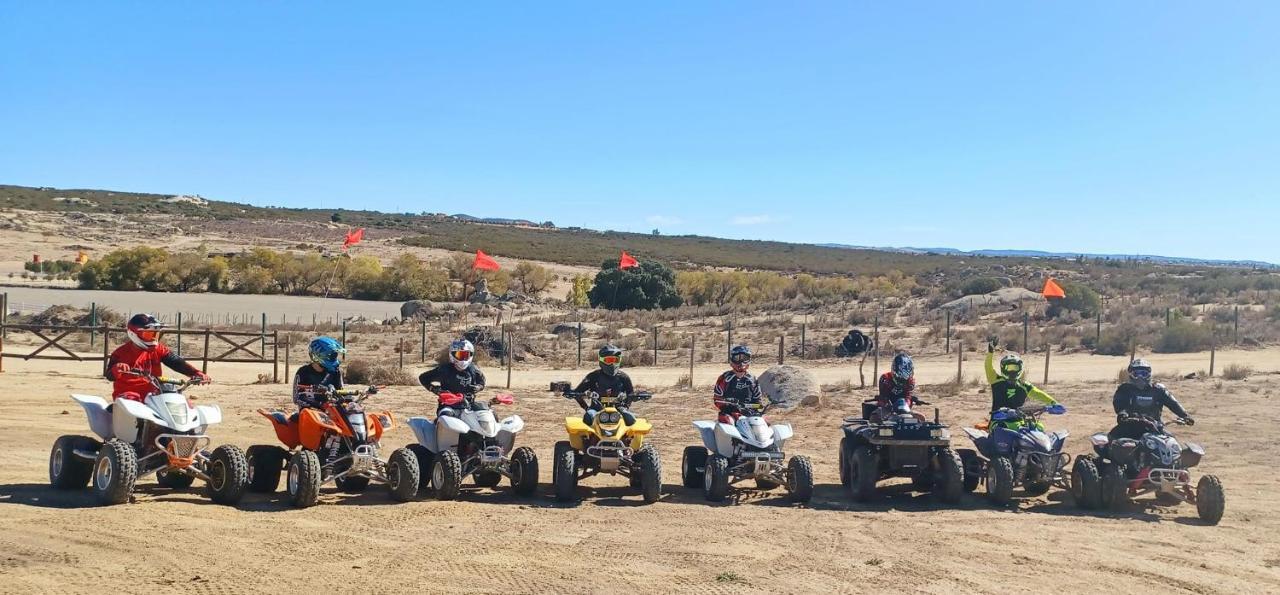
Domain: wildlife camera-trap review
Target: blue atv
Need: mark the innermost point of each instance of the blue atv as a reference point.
(1006, 458)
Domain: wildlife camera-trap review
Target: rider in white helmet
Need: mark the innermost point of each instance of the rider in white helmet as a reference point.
(458, 375)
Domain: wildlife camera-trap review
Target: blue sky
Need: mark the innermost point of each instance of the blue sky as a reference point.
(1126, 127)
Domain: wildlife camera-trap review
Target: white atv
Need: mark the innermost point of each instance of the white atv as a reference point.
(749, 448)
(165, 434)
(472, 443)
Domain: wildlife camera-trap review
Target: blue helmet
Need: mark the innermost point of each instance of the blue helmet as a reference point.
(903, 368)
(325, 351)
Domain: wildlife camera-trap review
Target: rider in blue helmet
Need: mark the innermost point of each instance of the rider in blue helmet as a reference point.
(898, 385)
(323, 371)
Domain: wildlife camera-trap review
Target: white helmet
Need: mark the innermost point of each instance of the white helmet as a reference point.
(461, 354)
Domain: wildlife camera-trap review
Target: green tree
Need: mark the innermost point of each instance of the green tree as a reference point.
(1080, 298)
(578, 293)
(531, 278)
(647, 286)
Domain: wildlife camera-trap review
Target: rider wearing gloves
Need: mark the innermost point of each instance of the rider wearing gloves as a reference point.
(610, 381)
(459, 375)
(145, 352)
(1008, 389)
(323, 371)
(1141, 397)
(899, 383)
(736, 388)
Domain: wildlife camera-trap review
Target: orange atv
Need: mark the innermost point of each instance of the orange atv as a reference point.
(337, 443)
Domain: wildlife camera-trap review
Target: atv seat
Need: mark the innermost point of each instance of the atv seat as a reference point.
(282, 419)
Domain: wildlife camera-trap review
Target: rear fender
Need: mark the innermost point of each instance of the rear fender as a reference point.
(125, 415)
(974, 434)
(725, 435)
(286, 432)
(448, 430)
(707, 431)
(1059, 439)
(99, 418)
(641, 427)
(425, 432)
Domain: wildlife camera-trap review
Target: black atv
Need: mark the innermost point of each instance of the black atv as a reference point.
(1126, 468)
(898, 442)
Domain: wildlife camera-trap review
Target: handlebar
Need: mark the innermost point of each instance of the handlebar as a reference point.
(158, 381)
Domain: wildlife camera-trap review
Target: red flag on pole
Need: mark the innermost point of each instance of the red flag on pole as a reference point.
(1052, 290)
(353, 238)
(627, 262)
(484, 262)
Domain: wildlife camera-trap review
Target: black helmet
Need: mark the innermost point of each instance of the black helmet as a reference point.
(610, 357)
(740, 358)
(903, 368)
(1140, 372)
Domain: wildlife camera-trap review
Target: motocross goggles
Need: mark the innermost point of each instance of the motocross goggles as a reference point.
(740, 358)
(611, 360)
(1140, 373)
(1012, 369)
(148, 335)
(461, 356)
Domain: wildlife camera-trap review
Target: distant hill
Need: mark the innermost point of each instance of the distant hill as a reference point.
(1151, 258)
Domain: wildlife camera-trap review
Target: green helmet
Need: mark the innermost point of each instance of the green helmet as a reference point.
(1011, 367)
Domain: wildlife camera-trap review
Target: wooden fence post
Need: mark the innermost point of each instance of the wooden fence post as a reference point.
(803, 341)
(4, 314)
(93, 322)
(959, 363)
(781, 343)
(507, 348)
(579, 343)
(263, 335)
(275, 357)
(1047, 350)
(344, 338)
(424, 341)
(106, 348)
(1213, 350)
(287, 344)
(948, 331)
(693, 342)
(875, 348)
(204, 365)
(1026, 337)
(728, 340)
(655, 345)
(400, 350)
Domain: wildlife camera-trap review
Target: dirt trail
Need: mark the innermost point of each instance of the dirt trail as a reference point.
(57, 542)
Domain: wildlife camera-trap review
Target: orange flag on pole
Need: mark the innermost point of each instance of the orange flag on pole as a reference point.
(627, 262)
(353, 238)
(484, 262)
(1052, 290)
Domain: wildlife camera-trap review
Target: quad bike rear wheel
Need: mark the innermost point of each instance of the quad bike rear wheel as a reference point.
(174, 480)
(303, 480)
(972, 465)
(565, 471)
(67, 471)
(266, 462)
(524, 471)
(1211, 501)
(1086, 483)
(692, 466)
(1000, 481)
(715, 480)
(426, 461)
(650, 472)
(863, 473)
(115, 472)
(765, 484)
(402, 474)
(446, 475)
(487, 479)
(949, 483)
(228, 473)
(352, 484)
(800, 478)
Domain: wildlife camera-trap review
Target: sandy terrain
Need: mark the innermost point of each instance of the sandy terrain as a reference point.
(58, 542)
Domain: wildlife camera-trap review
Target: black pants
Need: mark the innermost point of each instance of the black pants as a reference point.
(1129, 429)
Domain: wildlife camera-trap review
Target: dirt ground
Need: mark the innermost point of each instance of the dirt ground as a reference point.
(492, 542)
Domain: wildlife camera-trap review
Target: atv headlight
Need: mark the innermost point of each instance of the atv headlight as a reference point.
(886, 431)
(609, 417)
(177, 411)
(935, 433)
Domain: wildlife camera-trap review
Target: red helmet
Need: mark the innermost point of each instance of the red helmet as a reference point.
(144, 331)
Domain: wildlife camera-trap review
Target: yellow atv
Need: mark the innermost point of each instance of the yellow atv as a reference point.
(606, 439)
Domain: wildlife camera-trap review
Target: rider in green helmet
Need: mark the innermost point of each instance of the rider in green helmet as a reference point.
(1010, 389)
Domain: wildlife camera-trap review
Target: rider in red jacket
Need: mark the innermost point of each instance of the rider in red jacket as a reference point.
(145, 352)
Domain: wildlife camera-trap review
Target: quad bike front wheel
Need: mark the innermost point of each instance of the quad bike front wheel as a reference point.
(692, 465)
(524, 471)
(715, 480)
(800, 479)
(1000, 481)
(446, 475)
(228, 472)
(1086, 482)
(67, 471)
(115, 472)
(564, 473)
(863, 471)
(265, 462)
(949, 483)
(1211, 501)
(846, 452)
(304, 479)
(402, 474)
(649, 466)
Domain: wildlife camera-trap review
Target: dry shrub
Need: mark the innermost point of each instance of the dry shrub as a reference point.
(360, 371)
(1236, 372)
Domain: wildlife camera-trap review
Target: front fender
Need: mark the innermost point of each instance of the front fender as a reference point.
(209, 414)
(781, 433)
(512, 425)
